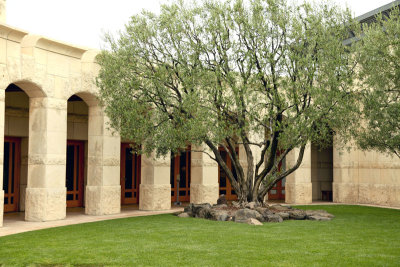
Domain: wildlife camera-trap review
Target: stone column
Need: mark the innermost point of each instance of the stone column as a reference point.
(2, 115)
(46, 191)
(155, 186)
(345, 186)
(103, 189)
(298, 185)
(204, 187)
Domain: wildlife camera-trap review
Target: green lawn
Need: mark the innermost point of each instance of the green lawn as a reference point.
(358, 236)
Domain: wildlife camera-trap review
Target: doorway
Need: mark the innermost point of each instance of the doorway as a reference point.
(130, 174)
(75, 173)
(11, 173)
(225, 187)
(180, 166)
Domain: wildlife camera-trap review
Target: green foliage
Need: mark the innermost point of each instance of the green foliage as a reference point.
(379, 76)
(357, 236)
(262, 74)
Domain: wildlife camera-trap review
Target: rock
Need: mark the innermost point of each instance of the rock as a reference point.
(188, 208)
(283, 215)
(273, 218)
(205, 213)
(321, 213)
(219, 215)
(236, 204)
(243, 214)
(279, 208)
(264, 212)
(222, 200)
(223, 217)
(318, 218)
(220, 206)
(195, 208)
(184, 215)
(297, 214)
(251, 205)
(253, 221)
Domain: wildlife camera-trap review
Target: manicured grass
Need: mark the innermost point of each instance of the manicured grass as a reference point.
(358, 236)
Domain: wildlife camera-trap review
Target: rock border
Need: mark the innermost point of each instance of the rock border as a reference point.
(252, 213)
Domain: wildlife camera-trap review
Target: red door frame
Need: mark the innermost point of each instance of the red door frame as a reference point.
(177, 161)
(228, 188)
(278, 187)
(78, 189)
(16, 159)
(136, 170)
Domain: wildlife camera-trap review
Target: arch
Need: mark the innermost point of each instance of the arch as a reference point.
(89, 98)
(30, 88)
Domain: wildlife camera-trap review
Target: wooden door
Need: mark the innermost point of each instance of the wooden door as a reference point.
(225, 186)
(278, 191)
(130, 174)
(11, 172)
(180, 165)
(75, 173)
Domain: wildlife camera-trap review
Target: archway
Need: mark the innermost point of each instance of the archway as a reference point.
(321, 172)
(16, 136)
(76, 151)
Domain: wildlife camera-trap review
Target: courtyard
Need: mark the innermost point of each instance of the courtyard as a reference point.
(357, 236)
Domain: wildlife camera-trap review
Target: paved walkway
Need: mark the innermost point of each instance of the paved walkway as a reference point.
(14, 223)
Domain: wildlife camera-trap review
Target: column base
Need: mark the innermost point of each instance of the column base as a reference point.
(45, 204)
(204, 193)
(155, 197)
(298, 193)
(103, 200)
(1, 207)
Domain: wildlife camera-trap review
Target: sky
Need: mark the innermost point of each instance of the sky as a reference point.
(84, 22)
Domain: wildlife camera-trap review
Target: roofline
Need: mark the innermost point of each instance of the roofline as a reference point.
(367, 17)
(377, 11)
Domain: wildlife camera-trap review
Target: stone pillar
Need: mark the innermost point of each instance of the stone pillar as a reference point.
(345, 186)
(2, 115)
(3, 11)
(155, 186)
(23, 179)
(298, 185)
(103, 189)
(46, 191)
(204, 187)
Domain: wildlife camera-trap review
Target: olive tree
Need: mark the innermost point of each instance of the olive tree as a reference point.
(263, 75)
(378, 53)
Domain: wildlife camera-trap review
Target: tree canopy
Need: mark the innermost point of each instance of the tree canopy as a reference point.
(263, 75)
(378, 54)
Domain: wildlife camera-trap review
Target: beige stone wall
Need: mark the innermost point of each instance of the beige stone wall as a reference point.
(366, 178)
(321, 171)
(298, 184)
(49, 72)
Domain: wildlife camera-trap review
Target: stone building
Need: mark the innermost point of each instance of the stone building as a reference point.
(59, 153)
